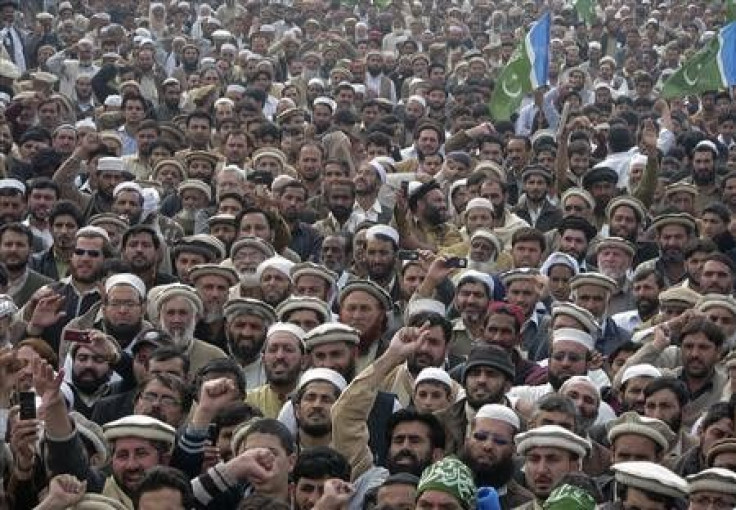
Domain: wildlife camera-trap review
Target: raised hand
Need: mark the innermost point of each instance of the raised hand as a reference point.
(406, 341)
(10, 365)
(336, 495)
(46, 382)
(257, 465)
(64, 491)
(47, 312)
(23, 441)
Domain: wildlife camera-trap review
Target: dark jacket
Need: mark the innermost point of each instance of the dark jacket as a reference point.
(33, 282)
(549, 217)
(45, 264)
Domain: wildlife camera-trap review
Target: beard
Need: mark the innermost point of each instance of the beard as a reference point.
(284, 378)
(92, 278)
(245, 350)
(16, 267)
(414, 466)
(88, 385)
(488, 266)
(557, 380)
(647, 307)
(316, 428)
(341, 213)
(181, 338)
(494, 475)
(308, 74)
(436, 216)
(213, 315)
(141, 264)
(672, 256)
(123, 333)
(615, 273)
(379, 272)
(703, 179)
(587, 421)
(417, 362)
(370, 336)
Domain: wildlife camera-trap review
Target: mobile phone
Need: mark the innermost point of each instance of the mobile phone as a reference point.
(212, 433)
(456, 262)
(408, 255)
(76, 336)
(27, 401)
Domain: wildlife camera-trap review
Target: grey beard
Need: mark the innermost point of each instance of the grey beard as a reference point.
(484, 267)
(213, 316)
(308, 74)
(182, 339)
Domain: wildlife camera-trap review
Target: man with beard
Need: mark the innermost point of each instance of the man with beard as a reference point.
(305, 240)
(15, 251)
(575, 236)
(665, 399)
(247, 321)
(377, 84)
(365, 306)
(165, 397)
(427, 225)
(382, 245)
(489, 453)
(646, 287)
(495, 189)
(721, 311)
(369, 177)
(600, 182)
(593, 291)
(283, 360)
(104, 171)
(170, 100)
(316, 393)
(673, 233)
(717, 276)
(55, 305)
(43, 193)
(473, 293)
(335, 256)
(340, 197)
(177, 308)
(12, 200)
(486, 376)
(313, 280)
(534, 206)
(626, 216)
(213, 282)
(703, 160)
(414, 440)
(414, 111)
(140, 248)
(614, 258)
(90, 372)
(189, 63)
(522, 290)
(550, 452)
(197, 249)
(274, 275)
(484, 250)
(634, 380)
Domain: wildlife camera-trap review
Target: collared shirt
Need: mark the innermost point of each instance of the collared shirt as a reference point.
(370, 214)
(267, 400)
(330, 225)
(255, 375)
(130, 146)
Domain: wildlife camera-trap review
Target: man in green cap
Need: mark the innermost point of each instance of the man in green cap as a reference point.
(446, 484)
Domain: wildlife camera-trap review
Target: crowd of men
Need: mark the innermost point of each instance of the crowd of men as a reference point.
(260, 255)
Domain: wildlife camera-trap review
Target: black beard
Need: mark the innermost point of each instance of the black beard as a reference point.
(647, 307)
(245, 354)
(496, 475)
(17, 267)
(316, 429)
(704, 179)
(341, 214)
(435, 217)
(557, 381)
(89, 387)
(672, 256)
(124, 333)
(415, 468)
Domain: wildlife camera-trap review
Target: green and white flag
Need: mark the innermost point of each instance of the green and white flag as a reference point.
(586, 10)
(526, 71)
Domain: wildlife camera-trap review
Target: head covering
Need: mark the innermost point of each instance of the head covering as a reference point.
(560, 259)
(596, 279)
(452, 477)
(330, 333)
(253, 242)
(227, 273)
(682, 219)
(15, 184)
(615, 242)
(650, 477)
(651, 428)
(640, 370)
(126, 279)
(434, 374)
(709, 301)
(682, 295)
(277, 262)
(713, 480)
(492, 356)
(500, 413)
(142, 427)
(235, 307)
(293, 303)
(369, 287)
(384, 231)
(472, 275)
(322, 374)
(8, 307)
(573, 335)
(552, 436)
(580, 314)
(285, 327)
(569, 497)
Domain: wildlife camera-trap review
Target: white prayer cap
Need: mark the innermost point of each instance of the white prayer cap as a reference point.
(552, 436)
(316, 81)
(235, 88)
(286, 327)
(328, 102)
(110, 164)
(424, 305)
(558, 258)
(573, 335)
(640, 370)
(499, 412)
(126, 279)
(114, 101)
(418, 99)
(379, 168)
(481, 203)
(85, 123)
(127, 186)
(434, 374)
(382, 230)
(94, 230)
(581, 379)
(476, 276)
(13, 184)
(322, 374)
(277, 262)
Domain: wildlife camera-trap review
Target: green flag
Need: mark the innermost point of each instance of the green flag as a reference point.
(586, 10)
(699, 74)
(526, 71)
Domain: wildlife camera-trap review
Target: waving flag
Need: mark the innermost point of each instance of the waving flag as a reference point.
(526, 71)
(712, 68)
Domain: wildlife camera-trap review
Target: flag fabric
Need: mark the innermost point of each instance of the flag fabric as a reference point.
(586, 10)
(731, 10)
(712, 68)
(527, 70)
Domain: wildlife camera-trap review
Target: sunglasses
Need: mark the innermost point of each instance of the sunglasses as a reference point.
(79, 252)
(485, 436)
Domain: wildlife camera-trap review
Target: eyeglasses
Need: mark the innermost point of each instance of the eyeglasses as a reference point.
(163, 400)
(704, 501)
(485, 436)
(572, 356)
(122, 304)
(79, 252)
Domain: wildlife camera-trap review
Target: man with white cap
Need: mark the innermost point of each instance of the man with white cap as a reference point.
(550, 452)
(317, 391)
(646, 485)
(631, 385)
(246, 323)
(369, 177)
(274, 275)
(176, 308)
(382, 245)
(283, 360)
(714, 487)
(489, 452)
(13, 206)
